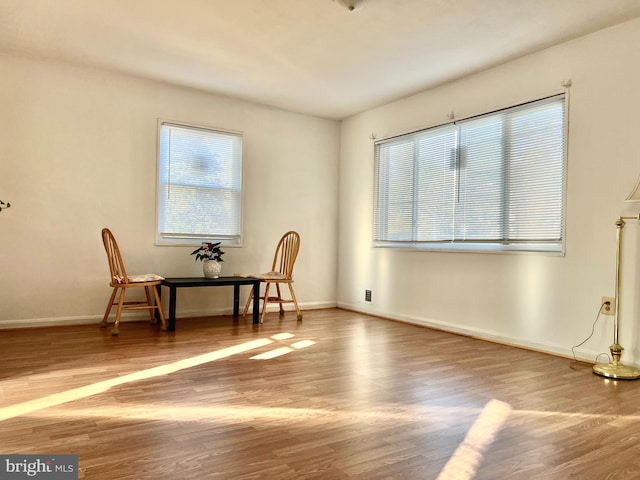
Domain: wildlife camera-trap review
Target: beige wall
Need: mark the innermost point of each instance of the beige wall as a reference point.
(78, 152)
(534, 300)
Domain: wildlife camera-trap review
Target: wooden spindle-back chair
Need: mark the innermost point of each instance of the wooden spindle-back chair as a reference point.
(281, 273)
(121, 282)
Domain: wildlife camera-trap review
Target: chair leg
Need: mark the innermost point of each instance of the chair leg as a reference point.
(295, 302)
(105, 319)
(265, 301)
(163, 320)
(150, 303)
(115, 330)
(246, 307)
(281, 311)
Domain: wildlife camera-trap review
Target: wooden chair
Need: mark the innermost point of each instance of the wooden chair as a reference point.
(281, 273)
(121, 282)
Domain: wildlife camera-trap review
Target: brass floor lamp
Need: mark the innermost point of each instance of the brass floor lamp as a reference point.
(615, 368)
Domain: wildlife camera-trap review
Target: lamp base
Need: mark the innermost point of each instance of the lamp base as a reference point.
(616, 370)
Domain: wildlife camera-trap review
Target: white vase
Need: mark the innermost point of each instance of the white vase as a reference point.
(211, 268)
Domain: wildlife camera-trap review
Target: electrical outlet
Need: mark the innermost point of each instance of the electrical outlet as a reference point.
(367, 295)
(608, 309)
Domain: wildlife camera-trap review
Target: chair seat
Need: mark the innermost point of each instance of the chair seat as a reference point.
(270, 276)
(147, 277)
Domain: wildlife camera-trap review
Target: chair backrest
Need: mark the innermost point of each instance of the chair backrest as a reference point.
(116, 265)
(286, 253)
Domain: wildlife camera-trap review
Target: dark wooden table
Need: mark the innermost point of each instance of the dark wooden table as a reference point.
(174, 283)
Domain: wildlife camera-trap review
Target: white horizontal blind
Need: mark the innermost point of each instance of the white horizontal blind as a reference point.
(199, 185)
(434, 184)
(490, 182)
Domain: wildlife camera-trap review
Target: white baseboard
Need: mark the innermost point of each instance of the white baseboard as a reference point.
(127, 317)
(51, 322)
(582, 354)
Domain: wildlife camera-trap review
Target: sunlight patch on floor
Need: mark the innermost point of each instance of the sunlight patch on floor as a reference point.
(278, 352)
(282, 336)
(465, 461)
(272, 353)
(100, 387)
(56, 399)
(395, 414)
(303, 344)
(443, 416)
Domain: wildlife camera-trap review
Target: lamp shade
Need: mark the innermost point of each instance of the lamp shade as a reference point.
(634, 196)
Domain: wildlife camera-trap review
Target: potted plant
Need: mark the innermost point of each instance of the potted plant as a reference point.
(211, 256)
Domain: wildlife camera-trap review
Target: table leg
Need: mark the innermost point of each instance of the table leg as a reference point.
(236, 300)
(256, 303)
(172, 309)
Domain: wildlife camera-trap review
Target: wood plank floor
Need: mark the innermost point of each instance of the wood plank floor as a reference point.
(351, 397)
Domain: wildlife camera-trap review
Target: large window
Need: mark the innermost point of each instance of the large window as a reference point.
(492, 182)
(199, 185)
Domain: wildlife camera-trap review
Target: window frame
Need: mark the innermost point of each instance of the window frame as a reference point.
(456, 245)
(194, 239)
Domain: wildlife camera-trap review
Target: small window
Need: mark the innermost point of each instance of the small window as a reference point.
(489, 183)
(199, 194)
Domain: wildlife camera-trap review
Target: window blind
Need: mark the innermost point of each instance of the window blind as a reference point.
(490, 182)
(199, 185)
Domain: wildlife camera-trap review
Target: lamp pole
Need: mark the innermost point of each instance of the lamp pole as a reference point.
(615, 368)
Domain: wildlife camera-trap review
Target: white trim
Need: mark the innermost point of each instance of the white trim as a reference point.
(162, 241)
(582, 354)
(94, 320)
(385, 184)
(484, 111)
(51, 321)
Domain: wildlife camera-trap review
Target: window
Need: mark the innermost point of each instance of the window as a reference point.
(199, 185)
(492, 182)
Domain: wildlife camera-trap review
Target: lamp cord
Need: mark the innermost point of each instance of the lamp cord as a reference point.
(593, 327)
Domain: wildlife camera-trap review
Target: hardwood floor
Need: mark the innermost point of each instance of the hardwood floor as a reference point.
(353, 397)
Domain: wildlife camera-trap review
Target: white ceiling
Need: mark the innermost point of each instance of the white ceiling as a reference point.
(310, 56)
